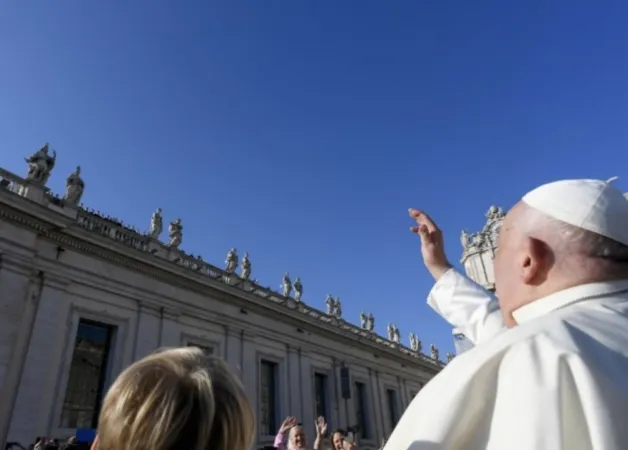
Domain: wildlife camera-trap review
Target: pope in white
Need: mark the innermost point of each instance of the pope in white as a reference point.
(468, 307)
(557, 377)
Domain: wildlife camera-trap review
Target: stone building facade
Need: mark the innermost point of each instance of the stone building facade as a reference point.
(83, 296)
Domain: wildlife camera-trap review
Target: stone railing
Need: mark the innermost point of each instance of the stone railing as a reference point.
(113, 229)
(12, 183)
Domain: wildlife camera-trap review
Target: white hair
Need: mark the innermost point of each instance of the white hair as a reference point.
(568, 241)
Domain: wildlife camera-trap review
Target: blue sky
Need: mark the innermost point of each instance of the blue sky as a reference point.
(302, 131)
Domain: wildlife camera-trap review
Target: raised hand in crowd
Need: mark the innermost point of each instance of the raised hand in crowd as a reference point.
(292, 436)
(432, 244)
(320, 425)
(288, 423)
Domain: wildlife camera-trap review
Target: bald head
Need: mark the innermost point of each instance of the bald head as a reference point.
(539, 255)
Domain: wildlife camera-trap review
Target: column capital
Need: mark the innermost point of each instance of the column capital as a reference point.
(292, 349)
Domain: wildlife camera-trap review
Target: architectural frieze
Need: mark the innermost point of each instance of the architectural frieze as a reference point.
(107, 238)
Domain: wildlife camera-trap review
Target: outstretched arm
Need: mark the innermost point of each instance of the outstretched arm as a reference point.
(471, 309)
(467, 306)
(280, 439)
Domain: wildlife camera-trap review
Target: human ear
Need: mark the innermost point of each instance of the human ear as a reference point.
(535, 262)
(95, 444)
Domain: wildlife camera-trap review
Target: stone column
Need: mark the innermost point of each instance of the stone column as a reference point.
(307, 387)
(250, 377)
(294, 381)
(34, 411)
(338, 411)
(377, 407)
(19, 324)
(233, 348)
(351, 415)
(170, 328)
(147, 330)
(405, 395)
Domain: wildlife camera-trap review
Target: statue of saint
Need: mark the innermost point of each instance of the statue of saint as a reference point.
(74, 187)
(363, 320)
(494, 213)
(175, 234)
(413, 341)
(434, 352)
(396, 335)
(329, 301)
(232, 261)
(337, 308)
(298, 289)
(371, 322)
(464, 239)
(286, 285)
(40, 164)
(156, 224)
(391, 332)
(246, 267)
(450, 356)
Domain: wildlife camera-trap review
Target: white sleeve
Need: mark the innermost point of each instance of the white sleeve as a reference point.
(467, 306)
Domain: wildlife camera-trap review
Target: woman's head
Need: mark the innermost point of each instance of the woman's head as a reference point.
(173, 399)
(296, 438)
(337, 440)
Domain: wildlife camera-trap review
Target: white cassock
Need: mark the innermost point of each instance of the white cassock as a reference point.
(467, 306)
(557, 381)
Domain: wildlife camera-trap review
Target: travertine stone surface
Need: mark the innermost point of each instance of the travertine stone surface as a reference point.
(92, 266)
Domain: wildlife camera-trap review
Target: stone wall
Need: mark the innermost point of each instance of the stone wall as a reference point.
(54, 273)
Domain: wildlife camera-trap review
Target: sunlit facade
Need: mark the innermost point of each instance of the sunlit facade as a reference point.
(83, 296)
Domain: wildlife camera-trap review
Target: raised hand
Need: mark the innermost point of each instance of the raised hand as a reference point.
(321, 426)
(432, 243)
(288, 423)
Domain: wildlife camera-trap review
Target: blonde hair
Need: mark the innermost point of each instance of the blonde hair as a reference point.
(176, 399)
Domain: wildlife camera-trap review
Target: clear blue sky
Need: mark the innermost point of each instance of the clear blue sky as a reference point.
(301, 131)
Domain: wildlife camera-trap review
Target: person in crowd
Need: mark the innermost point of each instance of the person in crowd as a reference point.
(555, 378)
(176, 399)
(72, 444)
(37, 442)
(292, 432)
(338, 441)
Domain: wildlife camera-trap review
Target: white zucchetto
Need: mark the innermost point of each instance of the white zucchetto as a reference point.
(592, 205)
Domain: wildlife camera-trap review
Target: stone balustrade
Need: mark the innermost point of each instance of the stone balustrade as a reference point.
(113, 229)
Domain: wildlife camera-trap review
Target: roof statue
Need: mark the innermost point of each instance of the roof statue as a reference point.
(156, 224)
(40, 166)
(74, 188)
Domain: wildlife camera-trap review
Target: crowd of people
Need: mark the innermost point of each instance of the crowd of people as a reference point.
(291, 436)
(45, 443)
(548, 370)
(182, 398)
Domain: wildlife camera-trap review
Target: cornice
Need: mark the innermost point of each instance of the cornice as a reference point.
(80, 240)
(16, 263)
